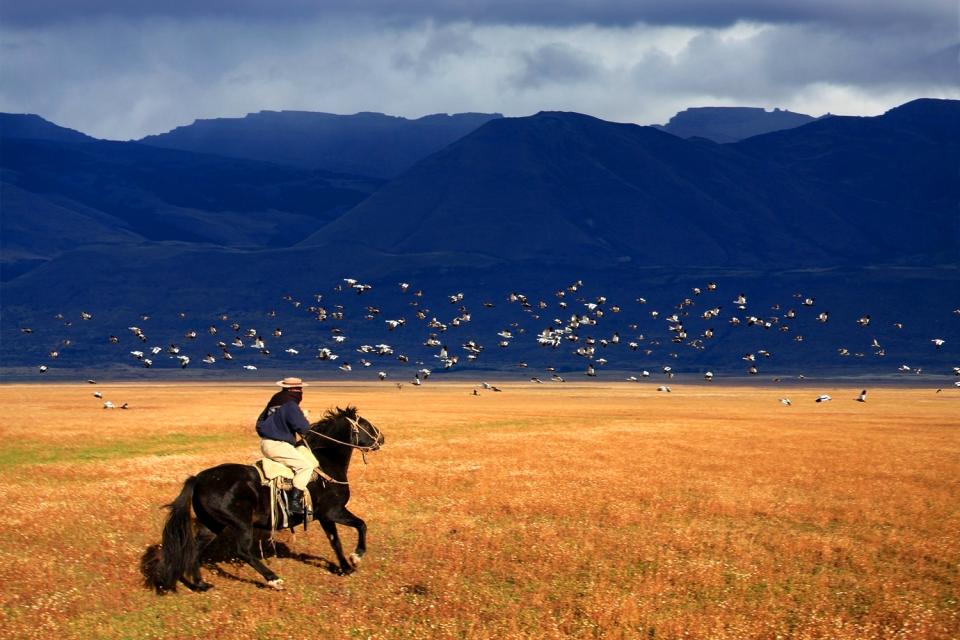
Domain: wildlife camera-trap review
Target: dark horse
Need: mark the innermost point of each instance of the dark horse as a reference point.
(231, 498)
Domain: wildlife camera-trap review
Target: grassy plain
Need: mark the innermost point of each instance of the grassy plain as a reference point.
(540, 512)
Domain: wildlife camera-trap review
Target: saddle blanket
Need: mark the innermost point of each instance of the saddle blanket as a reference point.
(270, 469)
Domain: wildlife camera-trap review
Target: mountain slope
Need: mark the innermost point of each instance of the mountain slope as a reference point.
(164, 194)
(571, 188)
(370, 144)
(33, 127)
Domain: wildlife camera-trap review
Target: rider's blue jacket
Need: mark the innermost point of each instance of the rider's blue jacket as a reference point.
(282, 422)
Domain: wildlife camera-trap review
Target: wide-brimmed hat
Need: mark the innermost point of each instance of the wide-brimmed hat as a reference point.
(290, 383)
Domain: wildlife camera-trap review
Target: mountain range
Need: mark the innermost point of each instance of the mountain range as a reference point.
(860, 210)
(371, 144)
(731, 124)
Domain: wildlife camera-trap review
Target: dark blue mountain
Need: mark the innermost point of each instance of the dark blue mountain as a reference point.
(57, 195)
(371, 144)
(33, 127)
(856, 213)
(731, 124)
(573, 189)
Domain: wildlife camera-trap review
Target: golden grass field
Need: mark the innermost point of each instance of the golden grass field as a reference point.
(540, 512)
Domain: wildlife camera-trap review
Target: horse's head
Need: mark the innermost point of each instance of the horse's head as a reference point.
(347, 427)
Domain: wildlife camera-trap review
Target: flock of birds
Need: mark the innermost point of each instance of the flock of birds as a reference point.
(571, 324)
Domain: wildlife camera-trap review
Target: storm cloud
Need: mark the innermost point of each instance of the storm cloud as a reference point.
(126, 69)
(518, 12)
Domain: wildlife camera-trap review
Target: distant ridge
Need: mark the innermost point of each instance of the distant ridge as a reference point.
(33, 127)
(572, 188)
(371, 144)
(730, 124)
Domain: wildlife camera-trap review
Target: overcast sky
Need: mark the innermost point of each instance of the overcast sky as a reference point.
(126, 68)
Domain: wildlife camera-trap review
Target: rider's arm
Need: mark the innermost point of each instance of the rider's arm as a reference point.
(294, 417)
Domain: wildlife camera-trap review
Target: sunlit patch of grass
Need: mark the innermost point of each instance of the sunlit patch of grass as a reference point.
(59, 452)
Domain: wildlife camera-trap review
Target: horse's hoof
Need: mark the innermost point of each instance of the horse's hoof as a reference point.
(203, 586)
(354, 559)
(276, 583)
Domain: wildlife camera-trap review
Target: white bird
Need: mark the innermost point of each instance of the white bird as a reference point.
(863, 396)
(209, 359)
(291, 351)
(664, 388)
(938, 342)
(708, 376)
(824, 398)
(43, 368)
(383, 374)
(249, 367)
(109, 405)
(97, 394)
(785, 402)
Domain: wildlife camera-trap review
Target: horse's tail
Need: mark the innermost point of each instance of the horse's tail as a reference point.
(163, 565)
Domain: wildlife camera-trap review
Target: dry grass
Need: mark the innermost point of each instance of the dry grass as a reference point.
(540, 512)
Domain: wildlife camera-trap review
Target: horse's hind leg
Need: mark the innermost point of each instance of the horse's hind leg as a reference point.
(245, 549)
(204, 537)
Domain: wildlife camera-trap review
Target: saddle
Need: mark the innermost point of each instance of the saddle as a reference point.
(270, 471)
(279, 477)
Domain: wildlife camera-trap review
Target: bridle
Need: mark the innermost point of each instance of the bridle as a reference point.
(355, 429)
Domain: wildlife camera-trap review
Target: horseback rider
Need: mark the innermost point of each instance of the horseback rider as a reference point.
(278, 425)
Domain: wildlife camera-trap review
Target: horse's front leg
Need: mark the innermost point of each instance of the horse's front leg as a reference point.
(348, 519)
(330, 527)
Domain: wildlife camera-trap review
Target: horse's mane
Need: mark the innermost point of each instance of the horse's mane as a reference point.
(333, 414)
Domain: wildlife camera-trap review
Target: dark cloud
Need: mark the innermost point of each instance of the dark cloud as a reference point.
(555, 63)
(114, 73)
(536, 12)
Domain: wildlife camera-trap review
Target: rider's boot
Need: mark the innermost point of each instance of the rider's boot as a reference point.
(295, 501)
